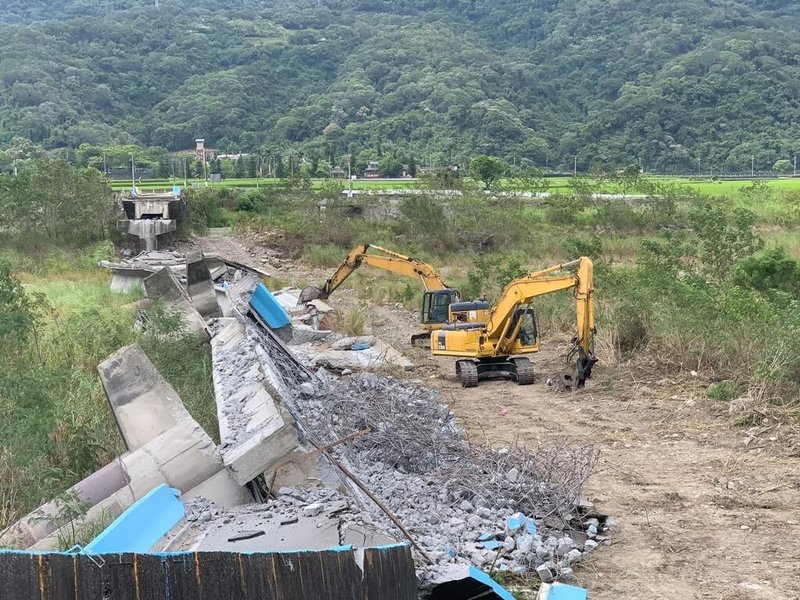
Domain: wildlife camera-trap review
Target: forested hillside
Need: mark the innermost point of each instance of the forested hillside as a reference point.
(677, 84)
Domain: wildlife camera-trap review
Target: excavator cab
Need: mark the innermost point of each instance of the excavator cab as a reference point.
(527, 338)
(436, 305)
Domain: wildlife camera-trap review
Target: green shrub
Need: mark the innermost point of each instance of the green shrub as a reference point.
(724, 391)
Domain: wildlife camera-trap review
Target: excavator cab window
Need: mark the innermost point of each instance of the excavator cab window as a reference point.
(436, 305)
(528, 331)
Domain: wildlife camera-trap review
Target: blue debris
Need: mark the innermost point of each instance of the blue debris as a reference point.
(484, 578)
(485, 537)
(450, 551)
(360, 346)
(515, 522)
(562, 591)
(268, 308)
(144, 523)
(492, 545)
(530, 526)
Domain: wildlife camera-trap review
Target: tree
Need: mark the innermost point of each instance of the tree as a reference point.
(239, 168)
(280, 168)
(16, 313)
(782, 166)
(412, 166)
(487, 169)
(389, 166)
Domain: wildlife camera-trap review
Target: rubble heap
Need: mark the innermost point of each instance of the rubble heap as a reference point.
(457, 500)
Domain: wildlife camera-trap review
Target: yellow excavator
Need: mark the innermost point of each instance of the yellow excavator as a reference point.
(493, 348)
(439, 299)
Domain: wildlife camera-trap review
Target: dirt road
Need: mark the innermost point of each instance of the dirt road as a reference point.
(700, 513)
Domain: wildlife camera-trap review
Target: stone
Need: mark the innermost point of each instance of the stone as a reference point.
(456, 522)
(572, 556)
(513, 475)
(565, 544)
(312, 510)
(509, 544)
(546, 572)
(307, 389)
(474, 521)
(524, 543)
(484, 513)
(466, 506)
(589, 545)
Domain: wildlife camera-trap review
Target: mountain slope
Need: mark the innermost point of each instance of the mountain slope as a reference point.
(676, 84)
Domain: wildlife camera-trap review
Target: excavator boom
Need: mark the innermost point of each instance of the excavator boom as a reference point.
(437, 299)
(383, 259)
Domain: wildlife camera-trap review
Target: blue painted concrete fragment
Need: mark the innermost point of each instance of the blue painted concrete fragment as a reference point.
(491, 544)
(484, 578)
(562, 591)
(142, 525)
(268, 308)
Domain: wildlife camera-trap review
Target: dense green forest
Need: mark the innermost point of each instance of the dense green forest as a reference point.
(680, 85)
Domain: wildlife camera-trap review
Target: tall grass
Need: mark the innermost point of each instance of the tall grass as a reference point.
(55, 423)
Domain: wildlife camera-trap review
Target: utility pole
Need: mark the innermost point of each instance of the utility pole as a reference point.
(105, 167)
(794, 174)
(575, 168)
(349, 176)
(752, 166)
(133, 173)
(185, 174)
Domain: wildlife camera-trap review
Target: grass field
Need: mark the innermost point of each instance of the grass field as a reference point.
(556, 184)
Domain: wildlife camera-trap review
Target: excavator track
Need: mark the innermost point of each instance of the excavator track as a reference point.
(523, 370)
(467, 372)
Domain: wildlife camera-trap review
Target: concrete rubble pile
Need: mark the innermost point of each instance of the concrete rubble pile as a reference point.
(460, 503)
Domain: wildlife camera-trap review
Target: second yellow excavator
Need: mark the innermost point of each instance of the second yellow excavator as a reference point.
(439, 299)
(494, 347)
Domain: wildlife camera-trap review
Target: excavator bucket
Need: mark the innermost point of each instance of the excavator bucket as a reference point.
(309, 293)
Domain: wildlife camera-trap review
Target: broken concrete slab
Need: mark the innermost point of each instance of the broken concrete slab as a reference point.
(256, 433)
(143, 403)
(48, 518)
(201, 286)
(164, 286)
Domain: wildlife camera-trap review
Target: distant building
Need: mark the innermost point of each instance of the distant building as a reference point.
(338, 172)
(202, 153)
(372, 171)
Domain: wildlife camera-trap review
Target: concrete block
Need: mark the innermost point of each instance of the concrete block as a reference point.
(144, 404)
(201, 286)
(185, 458)
(163, 285)
(221, 489)
(264, 450)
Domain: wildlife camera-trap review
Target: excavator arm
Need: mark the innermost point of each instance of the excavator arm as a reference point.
(504, 328)
(381, 258)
